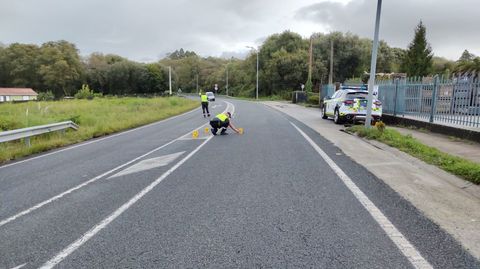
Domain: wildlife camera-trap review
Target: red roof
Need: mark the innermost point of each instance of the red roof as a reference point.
(17, 91)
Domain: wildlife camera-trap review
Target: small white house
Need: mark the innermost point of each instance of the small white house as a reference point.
(17, 94)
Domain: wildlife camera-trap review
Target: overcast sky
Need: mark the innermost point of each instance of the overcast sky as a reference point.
(145, 30)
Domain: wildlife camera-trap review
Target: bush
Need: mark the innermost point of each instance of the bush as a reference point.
(84, 93)
(45, 96)
(313, 99)
(380, 125)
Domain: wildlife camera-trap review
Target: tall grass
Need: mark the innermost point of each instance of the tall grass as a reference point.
(458, 166)
(96, 118)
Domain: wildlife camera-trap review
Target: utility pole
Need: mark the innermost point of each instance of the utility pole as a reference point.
(310, 61)
(196, 78)
(227, 79)
(373, 66)
(170, 79)
(256, 51)
(330, 77)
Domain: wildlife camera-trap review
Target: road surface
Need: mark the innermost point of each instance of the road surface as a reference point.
(279, 196)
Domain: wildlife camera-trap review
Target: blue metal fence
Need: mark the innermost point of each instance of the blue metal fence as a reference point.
(451, 102)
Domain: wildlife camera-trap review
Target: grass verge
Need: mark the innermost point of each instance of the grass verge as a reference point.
(463, 168)
(96, 118)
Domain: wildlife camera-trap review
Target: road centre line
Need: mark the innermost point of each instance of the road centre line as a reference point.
(56, 197)
(97, 140)
(407, 249)
(104, 223)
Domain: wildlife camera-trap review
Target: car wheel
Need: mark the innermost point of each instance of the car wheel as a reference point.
(336, 117)
(324, 112)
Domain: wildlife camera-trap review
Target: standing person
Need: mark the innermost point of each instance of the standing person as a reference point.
(204, 99)
(222, 121)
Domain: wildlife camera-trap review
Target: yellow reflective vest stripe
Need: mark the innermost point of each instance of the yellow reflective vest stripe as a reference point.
(204, 98)
(222, 117)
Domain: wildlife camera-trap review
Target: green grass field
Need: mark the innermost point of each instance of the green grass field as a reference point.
(458, 166)
(96, 118)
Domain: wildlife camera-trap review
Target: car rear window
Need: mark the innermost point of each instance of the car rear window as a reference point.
(357, 95)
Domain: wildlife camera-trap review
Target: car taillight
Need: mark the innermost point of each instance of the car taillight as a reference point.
(348, 102)
(377, 103)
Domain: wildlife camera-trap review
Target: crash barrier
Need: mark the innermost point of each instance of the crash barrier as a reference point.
(26, 133)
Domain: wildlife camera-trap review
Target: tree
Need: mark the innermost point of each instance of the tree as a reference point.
(466, 56)
(60, 67)
(418, 58)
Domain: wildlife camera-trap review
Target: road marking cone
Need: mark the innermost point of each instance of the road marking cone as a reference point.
(241, 130)
(206, 130)
(195, 134)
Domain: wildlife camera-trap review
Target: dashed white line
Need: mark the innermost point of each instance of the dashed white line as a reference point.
(407, 249)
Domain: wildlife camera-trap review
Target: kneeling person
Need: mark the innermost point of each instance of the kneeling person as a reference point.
(222, 121)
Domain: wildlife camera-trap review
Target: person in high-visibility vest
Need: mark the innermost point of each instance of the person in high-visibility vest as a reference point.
(204, 99)
(222, 121)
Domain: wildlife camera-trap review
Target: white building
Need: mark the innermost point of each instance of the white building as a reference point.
(17, 94)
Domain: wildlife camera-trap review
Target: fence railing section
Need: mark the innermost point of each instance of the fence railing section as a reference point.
(449, 102)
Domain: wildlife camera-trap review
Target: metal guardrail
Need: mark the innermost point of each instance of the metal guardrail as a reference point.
(36, 130)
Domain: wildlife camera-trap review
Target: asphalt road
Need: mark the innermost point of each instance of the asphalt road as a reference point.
(154, 197)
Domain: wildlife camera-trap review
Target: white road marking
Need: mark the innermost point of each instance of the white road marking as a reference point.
(97, 228)
(20, 266)
(149, 164)
(104, 223)
(393, 233)
(98, 140)
(56, 197)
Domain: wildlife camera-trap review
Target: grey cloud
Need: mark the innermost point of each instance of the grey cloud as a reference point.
(452, 26)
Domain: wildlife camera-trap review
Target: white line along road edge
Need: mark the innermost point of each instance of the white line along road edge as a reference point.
(97, 228)
(58, 196)
(407, 249)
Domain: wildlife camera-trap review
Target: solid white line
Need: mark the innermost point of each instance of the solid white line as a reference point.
(56, 197)
(97, 140)
(393, 233)
(92, 232)
(20, 266)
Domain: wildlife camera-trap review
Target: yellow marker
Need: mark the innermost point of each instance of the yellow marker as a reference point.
(241, 130)
(195, 134)
(206, 130)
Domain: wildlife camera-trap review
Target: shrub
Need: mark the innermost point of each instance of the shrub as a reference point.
(45, 96)
(84, 93)
(380, 125)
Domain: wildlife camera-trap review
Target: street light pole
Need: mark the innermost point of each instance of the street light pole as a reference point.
(256, 51)
(373, 67)
(227, 80)
(256, 97)
(170, 79)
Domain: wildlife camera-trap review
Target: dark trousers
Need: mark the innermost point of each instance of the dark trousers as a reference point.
(205, 108)
(217, 124)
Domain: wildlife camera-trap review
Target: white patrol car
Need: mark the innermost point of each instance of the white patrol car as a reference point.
(349, 104)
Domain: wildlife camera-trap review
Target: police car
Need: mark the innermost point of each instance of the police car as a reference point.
(349, 104)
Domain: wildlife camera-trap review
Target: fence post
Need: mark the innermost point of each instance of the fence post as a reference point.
(395, 98)
(434, 98)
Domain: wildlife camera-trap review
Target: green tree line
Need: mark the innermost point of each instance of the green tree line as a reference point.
(283, 66)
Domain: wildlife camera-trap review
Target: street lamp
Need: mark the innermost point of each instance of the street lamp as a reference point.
(170, 79)
(373, 67)
(256, 51)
